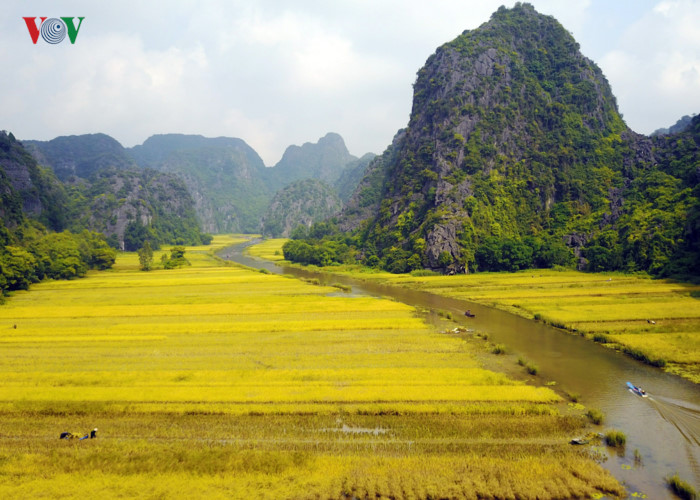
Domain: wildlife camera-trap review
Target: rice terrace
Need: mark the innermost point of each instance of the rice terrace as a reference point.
(219, 381)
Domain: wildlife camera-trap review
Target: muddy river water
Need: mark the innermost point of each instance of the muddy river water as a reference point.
(663, 430)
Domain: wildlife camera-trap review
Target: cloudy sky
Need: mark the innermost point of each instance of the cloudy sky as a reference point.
(276, 73)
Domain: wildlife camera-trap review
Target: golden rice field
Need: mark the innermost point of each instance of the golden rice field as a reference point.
(657, 321)
(269, 249)
(216, 381)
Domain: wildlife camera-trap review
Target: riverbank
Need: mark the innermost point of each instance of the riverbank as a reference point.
(654, 321)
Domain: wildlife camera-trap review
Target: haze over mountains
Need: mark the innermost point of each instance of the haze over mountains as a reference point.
(225, 178)
(515, 155)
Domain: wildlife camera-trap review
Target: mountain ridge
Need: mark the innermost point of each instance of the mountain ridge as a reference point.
(225, 177)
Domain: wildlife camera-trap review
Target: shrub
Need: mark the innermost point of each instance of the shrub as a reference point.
(498, 349)
(681, 488)
(640, 355)
(616, 439)
(424, 272)
(595, 416)
(177, 258)
(573, 396)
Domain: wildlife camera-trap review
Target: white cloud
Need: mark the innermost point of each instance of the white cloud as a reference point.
(655, 71)
(279, 73)
(133, 90)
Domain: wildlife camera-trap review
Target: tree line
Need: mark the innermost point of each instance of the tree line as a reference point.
(30, 253)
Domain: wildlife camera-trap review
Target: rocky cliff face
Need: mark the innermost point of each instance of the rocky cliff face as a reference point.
(351, 175)
(229, 183)
(26, 189)
(303, 202)
(107, 191)
(227, 180)
(160, 202)
(224, 176)
(366, 200)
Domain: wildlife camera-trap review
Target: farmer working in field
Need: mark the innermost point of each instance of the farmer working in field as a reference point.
(70, 435)
(93, 434)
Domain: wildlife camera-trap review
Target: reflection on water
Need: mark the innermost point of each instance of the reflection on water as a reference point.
(663, 430)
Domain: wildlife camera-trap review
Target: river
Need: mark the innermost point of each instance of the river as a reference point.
(663, 430)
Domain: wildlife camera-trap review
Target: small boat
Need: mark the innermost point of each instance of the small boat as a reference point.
(579, 441)
(469, 314)
(637, 390)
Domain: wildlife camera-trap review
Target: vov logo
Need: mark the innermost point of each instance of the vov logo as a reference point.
(53, 30)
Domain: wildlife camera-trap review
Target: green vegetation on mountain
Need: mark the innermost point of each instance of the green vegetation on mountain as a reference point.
(27, 189)
(79, 155)
(324, 160)
(515, 156)
(351, 175)
(105, 191)
(680, 126)
(224, 176)
(135, 205)
(32, 208)
(300, 203)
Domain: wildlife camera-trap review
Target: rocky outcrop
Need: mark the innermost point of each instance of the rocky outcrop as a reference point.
(364, 204)
(114, 199)
(301, 203)
(27, 190)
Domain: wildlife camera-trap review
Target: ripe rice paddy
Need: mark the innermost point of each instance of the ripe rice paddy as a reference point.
(656, 321)
(218, 381)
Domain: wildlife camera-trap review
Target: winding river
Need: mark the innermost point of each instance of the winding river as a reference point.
(663, 430)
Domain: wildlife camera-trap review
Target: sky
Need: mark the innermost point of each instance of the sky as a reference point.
(277, 73)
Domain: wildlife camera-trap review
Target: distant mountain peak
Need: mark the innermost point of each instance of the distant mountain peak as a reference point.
(324, 160)
(80, 156)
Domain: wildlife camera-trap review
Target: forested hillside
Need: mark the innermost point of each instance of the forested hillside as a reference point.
(224, 176)
(325, 160)
(32, 210)
(106, 191)
(516, 156)
(79, 156)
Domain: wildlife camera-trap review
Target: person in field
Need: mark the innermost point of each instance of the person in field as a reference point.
(70, 435)
(91, 435)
